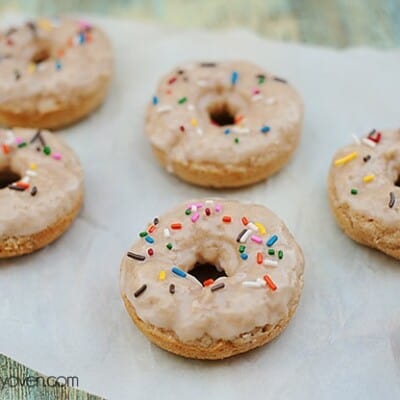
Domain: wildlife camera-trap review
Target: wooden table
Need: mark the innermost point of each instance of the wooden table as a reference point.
(330, 23)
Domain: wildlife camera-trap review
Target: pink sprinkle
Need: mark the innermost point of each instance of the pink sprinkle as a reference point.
(195, 217)
(57, 156)
(256, 91)
(256, 239)
(199, 205)
(18, 140)
(85, 25)
(218, 208)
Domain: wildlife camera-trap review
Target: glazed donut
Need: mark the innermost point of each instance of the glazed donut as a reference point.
(53, 72)
(213, 278)
(223, 125)
(41, 189)
(364, 190)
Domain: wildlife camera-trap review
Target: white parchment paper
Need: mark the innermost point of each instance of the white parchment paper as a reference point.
(60, 308)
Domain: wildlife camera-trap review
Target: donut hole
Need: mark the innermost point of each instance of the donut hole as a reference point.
(8, 177)
(203, 271)
(221, 113)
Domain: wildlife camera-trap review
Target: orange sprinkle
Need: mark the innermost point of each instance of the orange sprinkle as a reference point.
(227, 219)
(70, 43)
(6, 149)
(89, 37)
(60, 53)
(208, 282)
(259, 258)
(151, 229)
(176, 226)
(270, 283)
(238, 119)
(22, 185)
(245, 221)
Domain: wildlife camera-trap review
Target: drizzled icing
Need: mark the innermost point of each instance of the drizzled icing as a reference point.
(264, 270)
(76, 59)
(267, 114)
(364, 176)
(51, 183)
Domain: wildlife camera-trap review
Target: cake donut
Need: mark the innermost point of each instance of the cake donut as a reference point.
(41, 189)
(224, 124)
(213, 278)
(364, 190)
(53, 72)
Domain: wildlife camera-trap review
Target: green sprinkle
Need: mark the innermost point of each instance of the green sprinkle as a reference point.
(354, 191)
(169, 246)
(236, 140)
(143, 234)
(23, 144)
(271, 252)
(280, 254)
(261, 80)
(182, 100)
(242, 249)
(46, 150)
(188, 211)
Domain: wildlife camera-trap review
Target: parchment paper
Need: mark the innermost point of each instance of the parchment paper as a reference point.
(61, 311)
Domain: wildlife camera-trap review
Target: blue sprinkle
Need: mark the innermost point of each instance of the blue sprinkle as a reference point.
(265, 129)
(149, 239)
(179, 272)
(234, 77)
(227, 131)
(272, 240)
(81, 38)
(244, 256)
(155, 100)
(58, 65)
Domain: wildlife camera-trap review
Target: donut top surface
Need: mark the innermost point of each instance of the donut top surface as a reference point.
(41, 180)
(366, 176)
(259, 264)
(47, 62)
(223, 113)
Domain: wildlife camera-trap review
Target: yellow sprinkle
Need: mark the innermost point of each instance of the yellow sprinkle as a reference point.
(368, 178)
(31, 68)
(346, 159)
(45, 24)
(260, 228)
(32, 166)
(194, 122)
(161, 276)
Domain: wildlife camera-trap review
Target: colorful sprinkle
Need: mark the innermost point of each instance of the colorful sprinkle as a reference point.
(280, 254)
(34, 191)
(346, 159)
(253, 284)
(46, 150)
(150, 252)
(188, 211)
(245, 221)
(354, 191)
(140, 291)
(155, 100)
(227, 219)
(218, 286)
(177, 271)
(208, 282)
(142, 234)
(58, 65)
(271, 263)
(367, 157)
(234, 77)
(256, 239)
(368, 142)
(176, 226)
(195, 217)
(182, 100)
(265, 129)
(207, 211)
(272, 240)
(166, 232)
(242, 249)
(244, 256)
(227, 131)
(261, 79)
(56, 156)
(169, 246)
(280, 80)
(172, 288)
(162, 275)
(270, 282)
(239, 237)
(218, 208)
(369, 178)
(172, 80)
(260, 227)
(136, 256)
(260, 258)
(149, 239)
(271, 252)
(151, 229)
